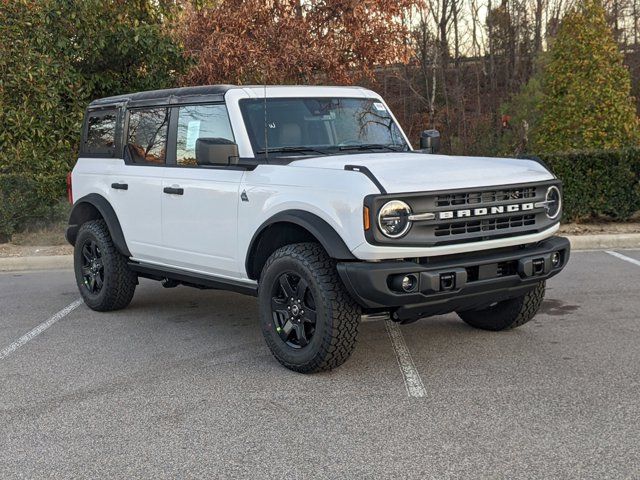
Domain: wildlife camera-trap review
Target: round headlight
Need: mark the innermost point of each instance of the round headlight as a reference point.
(553, 202)
(393, 219)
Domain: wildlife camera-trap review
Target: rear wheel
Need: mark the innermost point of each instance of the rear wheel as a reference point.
(103, 277)
(508, 313)
(309, 321)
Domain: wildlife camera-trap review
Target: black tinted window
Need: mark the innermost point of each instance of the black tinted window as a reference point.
(200, 121)
(147, 135)
(101, 133)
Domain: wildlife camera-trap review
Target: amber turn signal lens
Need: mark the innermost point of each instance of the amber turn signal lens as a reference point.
(366, 218)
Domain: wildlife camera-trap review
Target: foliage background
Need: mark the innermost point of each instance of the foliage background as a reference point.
(598, 182)
(586, 88)
(55, 57)
(289, 42)
(521, 78)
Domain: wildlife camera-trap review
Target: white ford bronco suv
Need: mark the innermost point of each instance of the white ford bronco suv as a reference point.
(313, 200)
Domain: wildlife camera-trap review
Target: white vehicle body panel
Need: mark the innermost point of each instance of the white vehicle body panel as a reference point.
(335, 197)
(402, 172)
(209, 229)
(138, 208)
(200, 228)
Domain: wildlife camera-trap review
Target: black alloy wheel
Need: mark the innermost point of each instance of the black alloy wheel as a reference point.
(102, 273)
(308, 319)
(293, 310)
(92, 267)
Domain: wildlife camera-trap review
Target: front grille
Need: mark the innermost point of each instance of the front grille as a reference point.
(452, 217)
(484, 225)
(485, 197)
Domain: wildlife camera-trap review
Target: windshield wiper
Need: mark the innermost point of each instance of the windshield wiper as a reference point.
(369, 146)
(291, 149)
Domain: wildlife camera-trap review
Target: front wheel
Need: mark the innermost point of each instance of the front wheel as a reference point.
(507, 314)
(308, 320)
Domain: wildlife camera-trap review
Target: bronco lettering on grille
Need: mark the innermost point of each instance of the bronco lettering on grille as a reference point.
(479, 212)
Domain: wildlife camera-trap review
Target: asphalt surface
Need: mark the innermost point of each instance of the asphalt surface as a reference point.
(181, 385)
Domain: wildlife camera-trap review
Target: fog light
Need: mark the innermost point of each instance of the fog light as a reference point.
(404, 283)
(555, 259)
(409, 283)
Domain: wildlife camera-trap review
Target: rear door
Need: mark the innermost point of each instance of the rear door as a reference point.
(136, 186)
(200, 203)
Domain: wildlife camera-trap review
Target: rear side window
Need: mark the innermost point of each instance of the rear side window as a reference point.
(101, 133)
(147, 136)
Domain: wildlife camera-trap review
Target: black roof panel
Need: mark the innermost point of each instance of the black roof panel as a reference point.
(169, 95)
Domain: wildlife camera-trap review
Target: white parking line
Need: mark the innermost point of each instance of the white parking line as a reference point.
(39, 329)
(412, 379)
(624, 257)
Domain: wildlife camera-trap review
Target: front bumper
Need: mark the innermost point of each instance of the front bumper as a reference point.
(454, 282)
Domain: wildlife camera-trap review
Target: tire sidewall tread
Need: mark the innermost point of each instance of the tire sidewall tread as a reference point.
(119, 281)
(338, 315)
(507, 314)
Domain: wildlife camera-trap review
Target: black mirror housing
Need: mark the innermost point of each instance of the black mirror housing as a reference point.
(430, 141)
(216, 151)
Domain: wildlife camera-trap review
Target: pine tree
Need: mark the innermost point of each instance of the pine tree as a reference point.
(524, 112)
(586, 101)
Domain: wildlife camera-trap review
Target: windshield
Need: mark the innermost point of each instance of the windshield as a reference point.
(312, 126)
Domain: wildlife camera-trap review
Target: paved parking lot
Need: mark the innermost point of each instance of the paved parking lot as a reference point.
(181, 385)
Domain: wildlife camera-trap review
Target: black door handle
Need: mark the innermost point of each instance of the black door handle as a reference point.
(120, 186)
(174, 191)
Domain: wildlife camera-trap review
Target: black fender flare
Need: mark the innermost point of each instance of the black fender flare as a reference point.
(330, 240)
(83, 210)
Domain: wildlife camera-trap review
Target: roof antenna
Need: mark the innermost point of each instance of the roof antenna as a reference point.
(266, 136)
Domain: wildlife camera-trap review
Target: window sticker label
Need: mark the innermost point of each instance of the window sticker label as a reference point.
(193, 132)
(379, 106)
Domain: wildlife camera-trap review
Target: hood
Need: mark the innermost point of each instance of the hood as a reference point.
(416, 172)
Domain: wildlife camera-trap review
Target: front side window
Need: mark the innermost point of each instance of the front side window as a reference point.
(147, 135)
(101, 132)
(200, 121)
(320, 125)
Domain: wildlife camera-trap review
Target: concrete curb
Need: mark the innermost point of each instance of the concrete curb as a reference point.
(61, 262)
(51, 262)
(604, 241)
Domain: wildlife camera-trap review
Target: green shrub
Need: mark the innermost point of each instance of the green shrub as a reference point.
(26, 198)
(586, 87)
(598, 183)
(55, 57)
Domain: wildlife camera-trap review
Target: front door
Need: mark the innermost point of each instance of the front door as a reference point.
(200, 203)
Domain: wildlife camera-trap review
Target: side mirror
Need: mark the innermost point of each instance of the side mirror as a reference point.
(216, 151)
(430, 141)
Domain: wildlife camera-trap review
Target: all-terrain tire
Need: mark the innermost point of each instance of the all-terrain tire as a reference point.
(337, 315)
(508, 313)
(118, 282)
